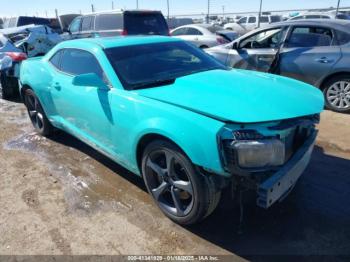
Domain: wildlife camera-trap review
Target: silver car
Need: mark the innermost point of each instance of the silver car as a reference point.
(204, 35)
(313, 51)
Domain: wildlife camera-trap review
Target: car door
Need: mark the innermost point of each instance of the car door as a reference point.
(83, 110)
(309, 53)
(257, 51)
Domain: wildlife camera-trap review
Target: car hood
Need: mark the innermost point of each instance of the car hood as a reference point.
(240, 96)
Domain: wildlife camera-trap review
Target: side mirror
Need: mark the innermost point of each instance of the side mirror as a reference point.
(90, 79)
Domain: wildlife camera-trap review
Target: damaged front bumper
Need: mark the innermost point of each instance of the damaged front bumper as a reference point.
(280, 184)
(272, 158)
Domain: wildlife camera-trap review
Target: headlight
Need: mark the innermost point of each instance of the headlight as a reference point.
(259, 153)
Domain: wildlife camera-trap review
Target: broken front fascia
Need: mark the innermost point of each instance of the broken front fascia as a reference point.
(261, 141)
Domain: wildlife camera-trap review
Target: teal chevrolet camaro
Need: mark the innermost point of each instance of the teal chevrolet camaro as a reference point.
(170, 113)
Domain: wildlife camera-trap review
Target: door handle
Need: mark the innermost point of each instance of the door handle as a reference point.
(57, 85)
(265, 59)
(324, 60)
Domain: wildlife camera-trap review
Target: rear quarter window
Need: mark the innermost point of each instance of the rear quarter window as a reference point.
(109, 22)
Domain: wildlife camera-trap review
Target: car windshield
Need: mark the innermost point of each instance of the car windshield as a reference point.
(147, 65)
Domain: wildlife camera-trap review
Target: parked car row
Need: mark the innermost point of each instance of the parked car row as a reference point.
(314, 51)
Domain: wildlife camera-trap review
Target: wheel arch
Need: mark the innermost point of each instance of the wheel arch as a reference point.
(327, 78)
(24, 87)
(146, 139)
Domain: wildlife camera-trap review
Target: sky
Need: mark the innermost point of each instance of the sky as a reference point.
(10, 8)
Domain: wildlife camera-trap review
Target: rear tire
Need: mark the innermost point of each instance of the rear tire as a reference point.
(36, 114)
(336, 92)
(9, 86)
(183, 194)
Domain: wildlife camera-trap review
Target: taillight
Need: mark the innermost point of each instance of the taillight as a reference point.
(124, 32)
(221, 40)
(17, 56)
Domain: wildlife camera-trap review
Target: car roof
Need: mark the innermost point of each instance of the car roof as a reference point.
(335, 23)
(118, 11)
(110, 42)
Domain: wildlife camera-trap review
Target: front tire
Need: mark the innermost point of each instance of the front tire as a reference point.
(337, 93)
(36, 114)
(183, 195)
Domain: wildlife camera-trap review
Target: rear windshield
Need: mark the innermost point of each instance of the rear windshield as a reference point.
(145, 23)
(137, 65)
(23, 20)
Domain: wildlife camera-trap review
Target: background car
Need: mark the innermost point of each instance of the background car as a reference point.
(18, 43)
(204, 35)
(170, 113)
(113, 23)
(313, 51)
(249, 23)
(323, 15)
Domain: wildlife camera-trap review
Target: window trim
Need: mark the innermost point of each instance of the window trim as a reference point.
(72, 76)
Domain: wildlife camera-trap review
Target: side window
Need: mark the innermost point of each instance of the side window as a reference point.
(252, 20)
(77, 62)
(55, 59)
(310, 37)
(242, 20)
(75, 25)
(265, 39)
(109, 22)
(193, 31)
(180, 31)
(87, 23)
(342, 37)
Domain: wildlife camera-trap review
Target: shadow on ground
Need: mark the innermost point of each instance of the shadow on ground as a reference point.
(313, 220)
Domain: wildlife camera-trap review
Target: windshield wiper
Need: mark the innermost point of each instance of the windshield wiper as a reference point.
(155, 83)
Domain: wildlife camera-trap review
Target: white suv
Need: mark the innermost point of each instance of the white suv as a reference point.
(249, 23)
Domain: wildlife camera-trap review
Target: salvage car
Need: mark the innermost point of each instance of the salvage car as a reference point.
(118, 22)
(172, 114)
(16, 44)
(314, 51)
(204, 35)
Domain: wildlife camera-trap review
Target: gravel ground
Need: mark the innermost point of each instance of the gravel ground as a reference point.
(59, 196)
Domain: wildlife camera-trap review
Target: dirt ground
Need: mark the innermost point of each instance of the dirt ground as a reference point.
(59, 196)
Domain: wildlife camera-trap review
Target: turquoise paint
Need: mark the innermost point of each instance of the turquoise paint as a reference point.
(191, 112)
